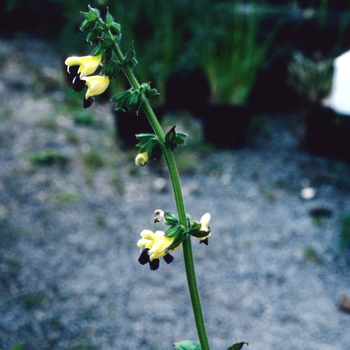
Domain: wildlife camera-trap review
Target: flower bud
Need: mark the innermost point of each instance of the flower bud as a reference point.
(141, 159)
(158, 215)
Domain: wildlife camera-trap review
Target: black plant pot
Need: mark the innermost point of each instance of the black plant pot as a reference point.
(328, 133)
(130, 124)
(187, 89)
(226, 126)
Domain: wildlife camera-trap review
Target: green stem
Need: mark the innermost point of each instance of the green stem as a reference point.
(175, 180)
(187, 247)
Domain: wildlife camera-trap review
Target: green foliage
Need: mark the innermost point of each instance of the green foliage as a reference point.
(174, 138)
(56, 322)
(17, 347)
(311, 255)
(83, 344)
(117, 181)
(187, 161)
(93, 159)
(130, 100)
(13, 263)
(149, 143)
(230, 51)
(100, 221)
(311, 78)
(34, 300)
(344, 239)
(160, 39)
(72, 138)
(64, 197)
(48, 157)
(84, 118)
(48, 123)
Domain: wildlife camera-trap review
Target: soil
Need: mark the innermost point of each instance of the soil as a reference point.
(272, 274)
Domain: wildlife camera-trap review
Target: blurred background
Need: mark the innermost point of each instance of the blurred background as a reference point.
(252, 83)
(202, 54)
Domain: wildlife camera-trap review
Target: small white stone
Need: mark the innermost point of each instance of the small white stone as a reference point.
(308, 193)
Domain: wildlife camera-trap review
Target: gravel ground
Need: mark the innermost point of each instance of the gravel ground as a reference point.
(272, 274)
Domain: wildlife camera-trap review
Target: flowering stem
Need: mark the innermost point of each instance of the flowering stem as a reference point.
(187, 247)
(175, 180)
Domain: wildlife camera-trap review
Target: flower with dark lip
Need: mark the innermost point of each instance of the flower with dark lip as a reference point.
(201, 230)
(97, 84)
(154, 245)
(78, 84)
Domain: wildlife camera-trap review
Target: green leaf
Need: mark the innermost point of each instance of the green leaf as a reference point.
(144, 135)
(109, 18)
(144, 139)
(86, 25)
(97, 50)
(180, 138)
(144, 143)
(237, 346)
(94, 35)
(173, 138)
(154, 150)
(178, 240)
(170, 219)
(171, 135)
(120, 96)
(120, 100)
(174, 231)
(48, 157)
(106, 42)
(195, 230)
(111, 69)
(94, 11)
(89, 16)
(149, 143)
(130, 58)
(151, 92)
(115, 29)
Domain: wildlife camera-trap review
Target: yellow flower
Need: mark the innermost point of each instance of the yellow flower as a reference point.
(141, 159)
(97, 84)
(154, 246)
(87, 64)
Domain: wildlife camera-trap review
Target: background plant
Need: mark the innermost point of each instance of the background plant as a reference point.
(312, 78)
(344, 239)
(231, 51)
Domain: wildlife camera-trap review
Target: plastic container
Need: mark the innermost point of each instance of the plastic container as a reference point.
(340, 93)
